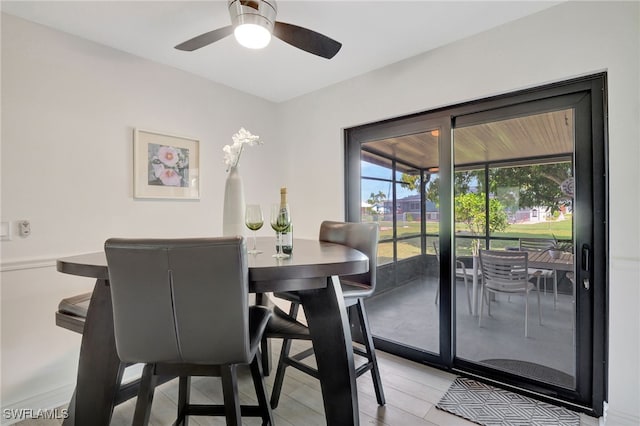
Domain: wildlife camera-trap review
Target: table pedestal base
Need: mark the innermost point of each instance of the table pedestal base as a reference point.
(331, 336)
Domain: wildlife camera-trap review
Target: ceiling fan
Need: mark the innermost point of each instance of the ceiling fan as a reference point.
(253, 22)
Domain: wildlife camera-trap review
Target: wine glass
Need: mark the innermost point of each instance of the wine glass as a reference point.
(254, 221)
(280, 221)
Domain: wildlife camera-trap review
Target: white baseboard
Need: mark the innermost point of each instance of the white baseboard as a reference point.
(44, 401)
(49, 401)
(614, 418)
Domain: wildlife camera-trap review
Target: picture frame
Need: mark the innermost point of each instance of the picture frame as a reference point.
(165, 166)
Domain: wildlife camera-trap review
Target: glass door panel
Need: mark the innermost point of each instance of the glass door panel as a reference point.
(399, 191)
(376, 200)
(514, 192)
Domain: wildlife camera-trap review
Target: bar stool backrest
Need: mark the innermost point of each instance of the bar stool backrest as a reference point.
(180, 300)
(360, 236)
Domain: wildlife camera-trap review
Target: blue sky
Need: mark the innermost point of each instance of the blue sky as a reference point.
(369, 186)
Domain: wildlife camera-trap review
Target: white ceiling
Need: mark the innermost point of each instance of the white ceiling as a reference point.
(373, 34)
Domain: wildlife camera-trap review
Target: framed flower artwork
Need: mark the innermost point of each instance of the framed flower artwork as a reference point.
(165, 166)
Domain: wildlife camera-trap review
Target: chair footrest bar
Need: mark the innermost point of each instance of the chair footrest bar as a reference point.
(361, 352)
(302, 367)
(218, 410)
(363, 369)
(130, 390)
(302, 355)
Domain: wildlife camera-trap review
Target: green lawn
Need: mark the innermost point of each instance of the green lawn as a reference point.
(562, 230)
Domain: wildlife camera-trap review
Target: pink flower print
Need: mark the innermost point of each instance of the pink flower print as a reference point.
(158, 168)
(168, 155)
(170, 177)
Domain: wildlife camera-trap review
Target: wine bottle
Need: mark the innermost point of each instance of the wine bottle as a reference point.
(287, 240)
(286, 235)
(283, 219)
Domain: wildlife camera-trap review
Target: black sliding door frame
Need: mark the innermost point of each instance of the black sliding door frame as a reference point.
(404, 126)
(587, 95)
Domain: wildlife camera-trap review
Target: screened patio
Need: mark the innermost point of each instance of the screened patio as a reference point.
(519, 171)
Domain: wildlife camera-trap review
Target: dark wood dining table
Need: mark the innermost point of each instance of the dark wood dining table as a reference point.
(311, 271)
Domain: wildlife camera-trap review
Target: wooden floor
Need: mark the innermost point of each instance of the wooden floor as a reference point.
(412, 391)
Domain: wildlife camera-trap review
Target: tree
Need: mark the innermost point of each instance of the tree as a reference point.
(411, 182)
(461, 183)
(539, 185)
(470, 210)
(376, 200)
(536, 185)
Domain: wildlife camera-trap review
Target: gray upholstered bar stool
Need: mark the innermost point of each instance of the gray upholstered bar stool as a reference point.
(181, 308)
(72, 312)
(72, 315)
(362, 237)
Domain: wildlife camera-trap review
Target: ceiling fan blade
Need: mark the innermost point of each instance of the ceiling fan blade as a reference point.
(307, 40)
(205, 39)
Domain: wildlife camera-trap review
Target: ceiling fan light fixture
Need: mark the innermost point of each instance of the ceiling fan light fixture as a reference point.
(253, 22)
(252, 36)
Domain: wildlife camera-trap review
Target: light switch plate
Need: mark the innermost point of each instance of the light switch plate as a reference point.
(5, 231)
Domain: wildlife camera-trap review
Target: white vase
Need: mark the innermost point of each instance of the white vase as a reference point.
(233, 214)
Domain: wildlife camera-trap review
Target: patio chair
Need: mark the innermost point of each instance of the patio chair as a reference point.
(461, 272)
(507, 272)
(541, 244)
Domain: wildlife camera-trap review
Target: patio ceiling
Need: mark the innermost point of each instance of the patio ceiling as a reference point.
(541, 136)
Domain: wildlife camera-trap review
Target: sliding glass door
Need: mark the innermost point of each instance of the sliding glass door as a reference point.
(399, 181)
(515, 192)
(520, 173)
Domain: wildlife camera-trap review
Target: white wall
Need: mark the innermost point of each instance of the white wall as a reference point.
(69, 107)
(569, 40)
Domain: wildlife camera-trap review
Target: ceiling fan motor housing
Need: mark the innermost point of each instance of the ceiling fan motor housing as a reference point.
(260, 12)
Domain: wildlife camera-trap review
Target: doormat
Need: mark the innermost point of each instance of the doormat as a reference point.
(490, 406)
(532, 370)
